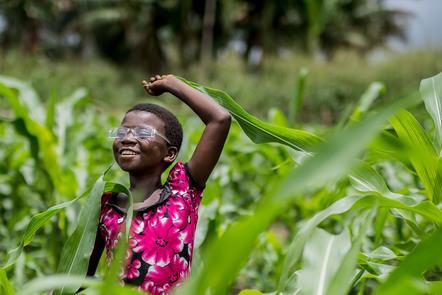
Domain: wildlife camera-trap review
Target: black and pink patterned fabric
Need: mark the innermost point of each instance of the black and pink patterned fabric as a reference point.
(161, 237)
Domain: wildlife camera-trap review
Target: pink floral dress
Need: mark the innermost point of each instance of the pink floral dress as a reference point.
(161, 236)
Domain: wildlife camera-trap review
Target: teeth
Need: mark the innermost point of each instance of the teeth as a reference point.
(127, 152)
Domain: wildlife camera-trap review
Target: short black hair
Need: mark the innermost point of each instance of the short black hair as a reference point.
(174, 130)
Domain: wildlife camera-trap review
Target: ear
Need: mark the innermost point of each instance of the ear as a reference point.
(172, 153)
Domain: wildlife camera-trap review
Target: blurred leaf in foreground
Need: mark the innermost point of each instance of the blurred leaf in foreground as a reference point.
(331, 162)
(407, 278)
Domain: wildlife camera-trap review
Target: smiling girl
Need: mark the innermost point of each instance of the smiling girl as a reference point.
(165, 214)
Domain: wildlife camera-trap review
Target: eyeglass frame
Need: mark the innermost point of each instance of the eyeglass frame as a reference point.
(134, 133)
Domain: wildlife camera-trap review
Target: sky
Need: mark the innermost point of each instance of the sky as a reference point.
(424, 27)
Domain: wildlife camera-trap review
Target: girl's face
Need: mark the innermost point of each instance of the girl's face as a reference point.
(140, 155)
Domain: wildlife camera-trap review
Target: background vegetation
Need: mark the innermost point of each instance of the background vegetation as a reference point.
(295, 214)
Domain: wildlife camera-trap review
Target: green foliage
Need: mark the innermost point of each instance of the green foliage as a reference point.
(78, 248)
(257, 130)
(430, 91)
(298, 96)
(37, 221)
(330, 216)
(407, 278)
(5, 284)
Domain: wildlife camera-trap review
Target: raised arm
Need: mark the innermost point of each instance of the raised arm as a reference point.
(216, 118)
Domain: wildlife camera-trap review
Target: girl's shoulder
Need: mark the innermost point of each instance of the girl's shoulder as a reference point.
(180, 176)
(105, 197)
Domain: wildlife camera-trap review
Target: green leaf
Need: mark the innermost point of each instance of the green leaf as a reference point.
(323, 253)
(119, 188)
(250, 292)
(37, 221)
(5, 285)
(26, 107)
(277, 117)
(437, 193)
(382, 253)
(111, 277)
(78, 248)
(364, 178)
(125, 290)
(368, 97)
(423, 156)
(407, 277)
(426, 209)
(342, 279)
(257, 130)
(27, 98)
(64, 116)
(298, 96)
(431, 92)
(55, 282)
(330, 163)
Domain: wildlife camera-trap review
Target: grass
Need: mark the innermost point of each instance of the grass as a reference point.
(367, 185)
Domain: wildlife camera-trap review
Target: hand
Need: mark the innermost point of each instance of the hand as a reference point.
(157, 84)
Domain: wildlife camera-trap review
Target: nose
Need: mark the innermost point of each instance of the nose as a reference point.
(129, 138)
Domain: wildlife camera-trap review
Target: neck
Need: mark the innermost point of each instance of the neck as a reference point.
(142, 186)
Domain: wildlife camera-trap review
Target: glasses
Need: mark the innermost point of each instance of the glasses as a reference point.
(139, 132)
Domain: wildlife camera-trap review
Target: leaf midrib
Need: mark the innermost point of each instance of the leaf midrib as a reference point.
(324, 267)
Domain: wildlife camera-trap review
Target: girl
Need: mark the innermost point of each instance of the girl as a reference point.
(165, 215)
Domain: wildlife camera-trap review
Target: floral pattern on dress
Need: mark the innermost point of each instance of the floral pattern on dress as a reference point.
(161, 237)
(160, 279)
(159, 241)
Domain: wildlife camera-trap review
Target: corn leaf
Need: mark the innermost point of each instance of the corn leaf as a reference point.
(5, 285)
(119, 188)
(111, 277)
(407, 277)
(55, 282)
(364, 178)
(26, 107)
(330, 163)
(257, 130)
(423, 156)
(368, 97)
(431, 92)
(250, 292)
(323, 254)
(437, 194)
(78, 248)
(298, 96)
(425, 209)
(64, 112)
(37, 221)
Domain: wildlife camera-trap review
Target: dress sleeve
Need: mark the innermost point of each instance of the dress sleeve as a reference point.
(180, 179)
(104, 198)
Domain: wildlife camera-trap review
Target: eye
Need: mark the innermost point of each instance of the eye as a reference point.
(121, 132)
(144, 132)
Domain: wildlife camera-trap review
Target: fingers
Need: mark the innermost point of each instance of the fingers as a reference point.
(146, 86)
(151, 86)
(156, 77)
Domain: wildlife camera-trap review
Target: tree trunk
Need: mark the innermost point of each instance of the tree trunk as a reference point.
(207, 37)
